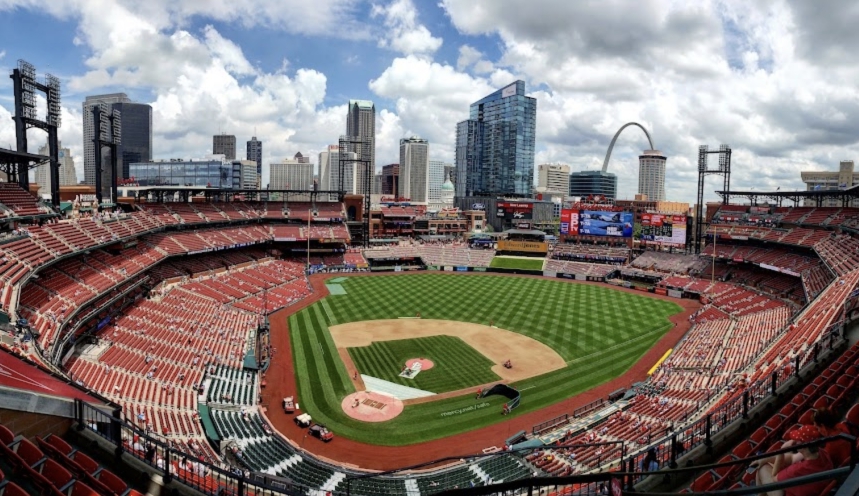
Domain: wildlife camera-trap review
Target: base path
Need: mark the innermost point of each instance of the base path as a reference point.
(281, 383)
(530, 357)
(371, 407)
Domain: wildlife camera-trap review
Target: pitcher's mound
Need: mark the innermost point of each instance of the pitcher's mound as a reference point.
(425, 364)
(368, 406)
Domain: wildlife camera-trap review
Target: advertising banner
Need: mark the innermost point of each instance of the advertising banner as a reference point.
(569, 222)
(664, 229)
(597, 223)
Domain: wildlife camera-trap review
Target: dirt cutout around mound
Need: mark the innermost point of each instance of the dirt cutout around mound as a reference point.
(529, 357)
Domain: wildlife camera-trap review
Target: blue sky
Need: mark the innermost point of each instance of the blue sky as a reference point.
(774, 79)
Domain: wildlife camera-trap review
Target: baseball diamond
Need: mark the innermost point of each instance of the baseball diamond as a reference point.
(456, 365)
(597, 331)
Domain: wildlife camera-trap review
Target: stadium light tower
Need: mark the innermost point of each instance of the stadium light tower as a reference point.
(25, 86)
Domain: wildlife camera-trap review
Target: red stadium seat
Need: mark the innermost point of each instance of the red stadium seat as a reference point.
(56, 474)
(6, 436)
(113, 482)
(12, 489)
(81, 489)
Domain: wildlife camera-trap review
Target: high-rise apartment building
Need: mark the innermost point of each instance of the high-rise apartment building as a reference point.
(136, 135)
(295, 174)
(414, 169)
(361, 123)
(651, 175)
(42, 173)
(224, 144)
(254, 152)
(437, 177)
(390, 179)
(495, 146)
(553, 178)
(593, 183)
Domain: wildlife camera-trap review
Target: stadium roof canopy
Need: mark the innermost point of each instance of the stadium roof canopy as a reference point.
(816, 197)
(525, 232)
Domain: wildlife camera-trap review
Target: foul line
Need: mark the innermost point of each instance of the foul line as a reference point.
(614, 347)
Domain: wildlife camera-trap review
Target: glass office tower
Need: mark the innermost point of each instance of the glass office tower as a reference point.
(495, 146)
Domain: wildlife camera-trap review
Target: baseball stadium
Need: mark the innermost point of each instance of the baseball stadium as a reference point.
(230, 346)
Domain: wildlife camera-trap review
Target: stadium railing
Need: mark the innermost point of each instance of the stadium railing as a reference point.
(624, 481)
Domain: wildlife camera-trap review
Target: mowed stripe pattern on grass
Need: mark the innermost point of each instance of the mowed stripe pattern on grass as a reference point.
(599, 331)
(456, 364)
(517, 263)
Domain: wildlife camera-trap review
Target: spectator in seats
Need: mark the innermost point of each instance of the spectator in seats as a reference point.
(778, 467)
(827, 423)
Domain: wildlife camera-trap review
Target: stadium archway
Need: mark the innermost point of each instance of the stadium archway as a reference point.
(611, 145)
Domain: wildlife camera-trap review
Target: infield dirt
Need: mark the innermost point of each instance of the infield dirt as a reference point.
(529, 357)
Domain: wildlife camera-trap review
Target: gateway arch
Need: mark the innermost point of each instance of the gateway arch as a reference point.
(611, 145)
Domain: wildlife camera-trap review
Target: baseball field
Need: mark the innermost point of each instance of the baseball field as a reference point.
(563, 339)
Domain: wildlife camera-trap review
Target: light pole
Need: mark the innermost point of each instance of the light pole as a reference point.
(309, 215)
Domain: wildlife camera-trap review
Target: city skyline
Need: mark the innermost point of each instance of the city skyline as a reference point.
(760, 78)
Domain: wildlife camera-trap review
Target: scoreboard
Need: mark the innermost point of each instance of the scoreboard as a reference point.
(664, 229)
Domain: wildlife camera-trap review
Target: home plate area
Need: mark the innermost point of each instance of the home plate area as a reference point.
(369, 406)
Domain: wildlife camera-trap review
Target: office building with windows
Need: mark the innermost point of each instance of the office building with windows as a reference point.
(293, 174)
(390, 179)
(254, 152)
(224, 144)
(593, 183)
(651, 175)
(42, 173)
(437, 177)
(414, 170)
(553, 178)
(361, 124)
(135, 134)
(495, 146)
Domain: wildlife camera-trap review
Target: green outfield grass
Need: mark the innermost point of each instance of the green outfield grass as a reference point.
(599, 331)
(456, 364)
(518, 263)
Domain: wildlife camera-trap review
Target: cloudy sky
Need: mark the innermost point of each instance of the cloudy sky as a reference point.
(776, 80)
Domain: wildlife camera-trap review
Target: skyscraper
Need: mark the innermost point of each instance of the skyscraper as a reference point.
(555, 178)
(361, 123)
(224, 144)
(495, 146)
(42, 173)
(136, 134)
(254, 152)
(651, 175)
(414, 169)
